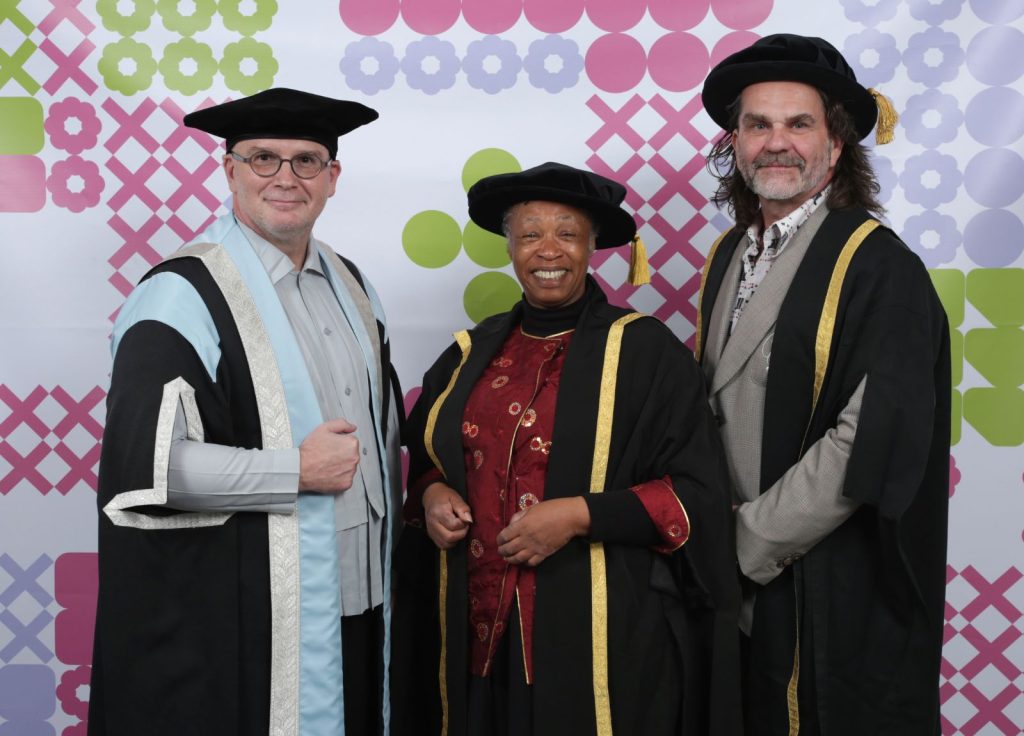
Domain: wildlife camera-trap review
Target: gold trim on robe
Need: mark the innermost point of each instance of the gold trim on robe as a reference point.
(598, 577)
(465, 343)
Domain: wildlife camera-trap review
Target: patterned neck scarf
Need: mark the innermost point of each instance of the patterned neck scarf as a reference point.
(757, 260)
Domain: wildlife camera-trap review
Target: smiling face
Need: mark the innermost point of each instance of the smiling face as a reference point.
(783, 148)
(550, 245)
(280, 208)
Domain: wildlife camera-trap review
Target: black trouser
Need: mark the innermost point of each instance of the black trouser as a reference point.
(363, 670)
(501, 704)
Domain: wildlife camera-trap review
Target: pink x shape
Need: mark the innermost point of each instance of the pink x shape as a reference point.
(130, 125)
(66, 9)
(24, 468)
(69, 66)
(193, 183)
(616, 122)
(677, 121)
(990, 711)
(79, 468)
(990, 652)
(181, 133)
(677, 181)
(78, 412)
(135, 241)
(991, 594)
(23, 411)
(134, 182)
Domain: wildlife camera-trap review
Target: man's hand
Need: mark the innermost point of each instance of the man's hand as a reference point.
(448, 517)
(328, 458)
(537, 532)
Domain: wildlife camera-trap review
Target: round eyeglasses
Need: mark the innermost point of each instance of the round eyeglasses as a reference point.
(267, 164)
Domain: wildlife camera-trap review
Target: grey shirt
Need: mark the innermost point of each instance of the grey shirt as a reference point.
(207, 477)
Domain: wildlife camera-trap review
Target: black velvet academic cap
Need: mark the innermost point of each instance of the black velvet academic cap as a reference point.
(282, 113)
(596, 195)
(785, 57)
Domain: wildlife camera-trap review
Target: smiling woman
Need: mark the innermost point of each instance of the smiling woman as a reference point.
(550, 245)
(529, 497)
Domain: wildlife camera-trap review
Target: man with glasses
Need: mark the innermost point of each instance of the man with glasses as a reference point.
(250, 460)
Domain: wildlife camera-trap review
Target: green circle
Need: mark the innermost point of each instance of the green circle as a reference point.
(431, 239)
(490, 293)
(231, 66)
(485, 248)
(177, 52)
(487, 162)
(126, 25)
(115, 79)
(186, 25)
(236, 20)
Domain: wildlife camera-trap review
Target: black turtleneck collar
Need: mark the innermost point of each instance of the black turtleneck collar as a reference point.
(543, 322)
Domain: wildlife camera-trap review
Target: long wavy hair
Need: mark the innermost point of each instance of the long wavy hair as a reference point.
(853, 180)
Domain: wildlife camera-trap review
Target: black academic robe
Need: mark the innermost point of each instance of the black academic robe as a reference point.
(183, 622)
(671, 619)
(868, 599)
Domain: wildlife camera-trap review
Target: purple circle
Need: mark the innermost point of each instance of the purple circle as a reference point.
(998, 11)
(883, 45)
(993, 56)
(994, 238)
(615, 16)
(919, 118)
(431, 17)
(616, 62)
(995, 177)
(931, 179)
(368, 17)
(474, 64)
(920, 52)
(741, 16)
(566, 51)
(731, 43)
(933, 236)
(678, 61)
(550, 17)
(491, 16)
(368, 47)
(673, 15)
(992, 128)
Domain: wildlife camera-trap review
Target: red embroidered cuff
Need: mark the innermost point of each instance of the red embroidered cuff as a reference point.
(666, 511)
(412, 509)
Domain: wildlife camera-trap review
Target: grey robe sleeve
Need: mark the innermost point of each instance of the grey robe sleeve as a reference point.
(207, 477)
(804, 505)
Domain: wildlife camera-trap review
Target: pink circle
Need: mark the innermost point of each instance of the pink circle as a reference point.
(741, 16)
(550, 17)
(492, 16)
(678, 61)
(615, 15)
(731, 43)
(368, 17)
(431, 17)
(673, 15)
(616, 62)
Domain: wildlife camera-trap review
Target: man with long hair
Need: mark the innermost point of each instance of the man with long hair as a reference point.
(826, 352)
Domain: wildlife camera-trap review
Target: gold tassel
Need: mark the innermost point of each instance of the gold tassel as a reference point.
(887, 118)
(639, 274)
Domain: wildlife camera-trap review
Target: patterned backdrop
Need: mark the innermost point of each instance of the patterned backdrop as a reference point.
(98, 181)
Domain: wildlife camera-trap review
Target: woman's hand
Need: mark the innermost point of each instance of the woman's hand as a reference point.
(537, 532)
(448, 517)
